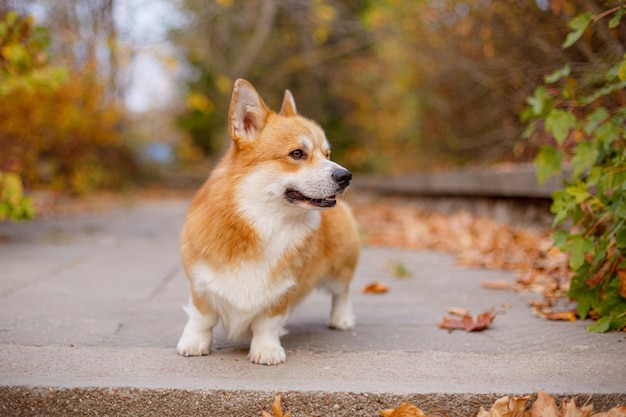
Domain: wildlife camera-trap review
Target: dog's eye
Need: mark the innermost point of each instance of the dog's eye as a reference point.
(327, 154)
(298, 154)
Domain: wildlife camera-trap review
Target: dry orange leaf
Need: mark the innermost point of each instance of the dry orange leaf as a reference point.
(613, 412)
(562, 316)
(276, 409)
(467, 322)
(405, 410)
(544, 406)
(495, 285)
(458, 311)
(507, 407)
(375, 288)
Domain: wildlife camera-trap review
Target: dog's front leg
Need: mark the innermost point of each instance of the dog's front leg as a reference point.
(198, 333)
(265, 347)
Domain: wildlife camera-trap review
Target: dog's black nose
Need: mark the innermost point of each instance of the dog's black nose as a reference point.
(342, 177)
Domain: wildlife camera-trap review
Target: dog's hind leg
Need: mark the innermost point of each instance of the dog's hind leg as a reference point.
(341, 316)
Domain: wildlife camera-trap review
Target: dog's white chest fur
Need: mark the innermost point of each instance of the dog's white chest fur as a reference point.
(239, 294)
(243, 290)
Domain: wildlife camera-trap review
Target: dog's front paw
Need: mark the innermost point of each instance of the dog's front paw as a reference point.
(193, 346)
(267, 354)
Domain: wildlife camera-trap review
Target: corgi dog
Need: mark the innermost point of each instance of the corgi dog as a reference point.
(265, 229)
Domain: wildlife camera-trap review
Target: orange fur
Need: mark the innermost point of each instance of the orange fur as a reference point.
(240, 237)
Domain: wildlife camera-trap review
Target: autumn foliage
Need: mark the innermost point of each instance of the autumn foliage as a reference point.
(398, 86)
(57, 128)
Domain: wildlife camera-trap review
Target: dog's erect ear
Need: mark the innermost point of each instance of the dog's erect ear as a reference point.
(247, 114)
(289, 105)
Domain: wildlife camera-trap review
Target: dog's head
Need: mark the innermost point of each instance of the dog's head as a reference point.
(282, 155)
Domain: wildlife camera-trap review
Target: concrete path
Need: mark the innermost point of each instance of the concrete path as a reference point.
(90, 313)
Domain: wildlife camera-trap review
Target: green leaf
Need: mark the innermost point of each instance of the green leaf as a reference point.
(594, 176)
(540, 101)
(559, 122)
(548, 162)
(598, 116)
(579, 191)
(531, 127)
(578, 25)
(602, 325)
(615, 20)
(562, 206)
(559, 238)
(606, 134)
(586, 298)
(578, 246)
(585, 156)
(557, 74)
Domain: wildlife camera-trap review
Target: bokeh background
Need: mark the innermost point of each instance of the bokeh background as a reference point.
(105, 93)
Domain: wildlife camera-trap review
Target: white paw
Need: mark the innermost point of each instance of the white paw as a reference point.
(193, 345)
(269, 354)
(342, 320)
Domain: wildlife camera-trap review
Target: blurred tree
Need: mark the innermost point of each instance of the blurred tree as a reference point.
(403, 86)
(85, 34)
(400, 86)
(461, 71)
(299, 45)
(56, 127)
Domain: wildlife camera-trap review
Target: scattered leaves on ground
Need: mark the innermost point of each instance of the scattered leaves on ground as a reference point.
(544, 405)
(467, 322)
(474, 241)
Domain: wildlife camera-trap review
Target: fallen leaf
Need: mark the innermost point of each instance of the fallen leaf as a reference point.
(468, 323)
(613, 412)
(561, 316)
(544, 406)
(405, 410)
(569, 409)
(495, 285)
(375, 288)
(507, 407)
(458, 311)
(276, 409)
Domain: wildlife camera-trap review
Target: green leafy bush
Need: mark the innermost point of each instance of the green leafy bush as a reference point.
(584, 117)
(13, 204)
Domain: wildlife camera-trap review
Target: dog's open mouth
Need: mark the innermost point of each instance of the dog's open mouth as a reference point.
(295, 196)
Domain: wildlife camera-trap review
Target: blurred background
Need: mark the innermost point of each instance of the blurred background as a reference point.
(106, 93)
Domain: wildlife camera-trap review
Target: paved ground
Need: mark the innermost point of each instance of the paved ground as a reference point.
(90, 312)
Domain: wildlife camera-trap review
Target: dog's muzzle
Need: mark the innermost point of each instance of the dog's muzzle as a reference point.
(340, 176)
